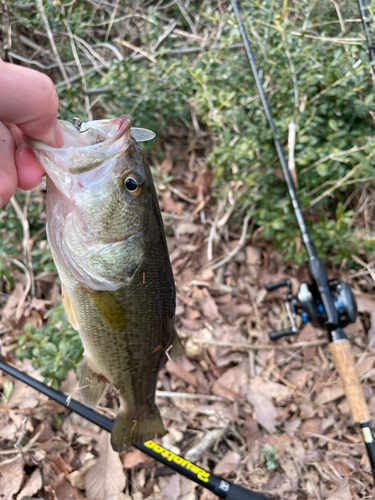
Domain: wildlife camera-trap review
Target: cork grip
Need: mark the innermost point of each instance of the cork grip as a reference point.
(344, 362)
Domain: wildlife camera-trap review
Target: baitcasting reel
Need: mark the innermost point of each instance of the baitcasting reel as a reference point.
(307, 304)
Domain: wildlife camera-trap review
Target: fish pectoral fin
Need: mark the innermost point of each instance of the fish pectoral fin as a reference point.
(69, 308)
(92, 385)
(109, 308)
(129, 429)
(177, 348)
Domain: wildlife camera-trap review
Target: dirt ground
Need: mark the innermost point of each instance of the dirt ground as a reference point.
(269, 416)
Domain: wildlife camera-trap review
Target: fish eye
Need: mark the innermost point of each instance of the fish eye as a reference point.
(132, 186)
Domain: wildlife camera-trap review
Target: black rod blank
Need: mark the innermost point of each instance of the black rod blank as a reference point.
(221, 488)
(363, 10)
(302, 226)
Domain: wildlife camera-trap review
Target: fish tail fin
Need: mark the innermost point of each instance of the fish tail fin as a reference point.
(128, 430)
(177, 349)
(92, 385)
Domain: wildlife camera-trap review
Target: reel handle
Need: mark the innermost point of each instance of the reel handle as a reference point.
(270, 287)
(281, 333)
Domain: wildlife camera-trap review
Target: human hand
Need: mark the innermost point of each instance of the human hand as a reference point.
(28, 105)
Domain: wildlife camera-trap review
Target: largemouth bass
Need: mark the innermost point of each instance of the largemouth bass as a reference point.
(107, 239)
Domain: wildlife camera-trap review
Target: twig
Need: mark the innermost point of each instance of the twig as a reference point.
(92, 51)
(343, 41)
(238, 247)
(110, 24)
(26, 290)
(185, 395)
(291, 145)
(52, 42)
(25, 448)
(26, 246)
(362, 263)
(81, 72)
(339, 15)
(10, 460)
(212, 234)
(337, 82)
(136, 49)
(333, 156)
(186, 16)
(236, 346)
(171, 26)
(206, 442)
(112, 48)
(168, 53)
(181, 194)
(340, 182)
(326, 438)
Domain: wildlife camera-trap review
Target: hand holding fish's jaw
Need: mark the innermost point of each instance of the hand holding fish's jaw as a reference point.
(84, 150)
(28, 105)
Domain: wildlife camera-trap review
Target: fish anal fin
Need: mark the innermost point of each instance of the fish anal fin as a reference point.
(177, 348)
(92, 385)
(68, 308)
(128, 429)
(109, 309)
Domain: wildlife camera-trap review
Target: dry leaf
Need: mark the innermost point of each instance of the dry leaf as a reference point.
(232, 384)
(120, 496)
(228, 463)
(62, 490)
(171, 206)
(312, 425)
(288, 466)
(209, 307)
(265, 411)
(10, 308)
(134, 458)
(272, 389)
(33, 485)
(166, 165)
(11, 476)
(329, 393)
(179, 488)
(77, 477)
(107, 476)
(176, 370)
(342, 492)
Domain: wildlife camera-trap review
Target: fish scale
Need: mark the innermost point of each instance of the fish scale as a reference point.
(107, 239)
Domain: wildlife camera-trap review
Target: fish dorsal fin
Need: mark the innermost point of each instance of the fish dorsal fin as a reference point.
(142, 134)
(109, 309)
(69, 309)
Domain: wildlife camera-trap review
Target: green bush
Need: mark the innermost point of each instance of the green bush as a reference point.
(55, 348)
(323, 87)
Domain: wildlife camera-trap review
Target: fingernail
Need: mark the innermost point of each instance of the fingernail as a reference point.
(59, 135)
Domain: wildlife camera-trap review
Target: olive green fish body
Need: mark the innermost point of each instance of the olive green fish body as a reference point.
(107, 238)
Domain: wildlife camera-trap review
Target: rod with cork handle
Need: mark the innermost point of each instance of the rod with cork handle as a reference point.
(327, 304)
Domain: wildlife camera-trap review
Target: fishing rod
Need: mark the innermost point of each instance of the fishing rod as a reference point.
(327, 304)
(220, 487)
(365, 15)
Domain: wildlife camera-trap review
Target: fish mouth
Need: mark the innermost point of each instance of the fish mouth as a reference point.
(85, 149)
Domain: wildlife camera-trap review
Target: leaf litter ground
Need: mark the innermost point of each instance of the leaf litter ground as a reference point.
(271, 417)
